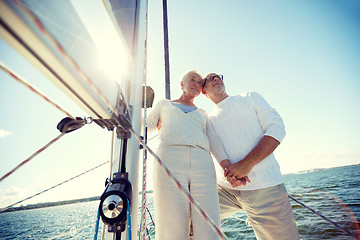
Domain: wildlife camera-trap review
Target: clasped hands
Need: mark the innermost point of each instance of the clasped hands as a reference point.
(236, 174)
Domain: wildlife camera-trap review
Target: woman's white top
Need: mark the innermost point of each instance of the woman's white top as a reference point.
(179, 128)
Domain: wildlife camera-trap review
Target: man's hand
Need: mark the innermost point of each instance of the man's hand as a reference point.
(235, 182)
(263, 149)
(238, 170)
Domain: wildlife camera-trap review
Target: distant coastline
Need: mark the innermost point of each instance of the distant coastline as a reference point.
(97, 198)
(52, 204)
(320, 169)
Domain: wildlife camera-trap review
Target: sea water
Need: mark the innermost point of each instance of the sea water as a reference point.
(333, 193)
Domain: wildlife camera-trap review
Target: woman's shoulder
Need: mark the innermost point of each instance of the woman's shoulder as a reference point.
(163, 102)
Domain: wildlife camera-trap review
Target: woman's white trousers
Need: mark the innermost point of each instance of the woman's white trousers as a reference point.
(194, 169)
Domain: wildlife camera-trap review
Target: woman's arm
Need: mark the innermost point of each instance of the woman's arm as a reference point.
(216, 147)
(153, 119)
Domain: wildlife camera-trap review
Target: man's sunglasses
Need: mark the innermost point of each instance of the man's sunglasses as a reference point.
(211, 78)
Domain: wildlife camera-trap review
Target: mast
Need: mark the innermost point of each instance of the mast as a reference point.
(129, 19)
(166, 51)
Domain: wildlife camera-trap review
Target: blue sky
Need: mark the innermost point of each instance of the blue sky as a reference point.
(302, 56)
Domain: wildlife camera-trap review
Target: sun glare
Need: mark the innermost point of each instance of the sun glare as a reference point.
(113, 57)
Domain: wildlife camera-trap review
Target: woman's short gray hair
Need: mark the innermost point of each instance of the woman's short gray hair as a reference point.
(186, 75)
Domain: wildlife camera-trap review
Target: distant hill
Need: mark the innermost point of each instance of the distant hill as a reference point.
(51, 204)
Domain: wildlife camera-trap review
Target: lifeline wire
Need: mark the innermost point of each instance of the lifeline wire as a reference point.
(38, 92)
(32, 156)
(3, 209)
(323, 217)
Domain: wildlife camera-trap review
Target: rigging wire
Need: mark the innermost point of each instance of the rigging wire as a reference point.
(18, 78)
(3, 209)
(323, 217)
(32, 156)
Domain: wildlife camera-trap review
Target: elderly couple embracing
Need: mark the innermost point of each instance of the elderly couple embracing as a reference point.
(241, 133)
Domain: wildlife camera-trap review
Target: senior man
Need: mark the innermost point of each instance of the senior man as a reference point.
(250, 130)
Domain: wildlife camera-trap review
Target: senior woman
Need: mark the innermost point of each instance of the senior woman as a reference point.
(186, 138)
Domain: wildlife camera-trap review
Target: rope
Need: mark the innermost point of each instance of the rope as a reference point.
(31, 157)
(181, 188)
(142, 233)
(143, 204)
(3, 209)
(33, 89)
(323, 217)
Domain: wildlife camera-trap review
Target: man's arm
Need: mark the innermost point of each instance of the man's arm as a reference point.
(264, 148)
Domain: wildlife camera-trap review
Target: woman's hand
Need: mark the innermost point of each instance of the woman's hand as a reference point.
(238, 182)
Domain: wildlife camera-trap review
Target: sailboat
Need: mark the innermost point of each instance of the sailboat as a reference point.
(112, 102)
